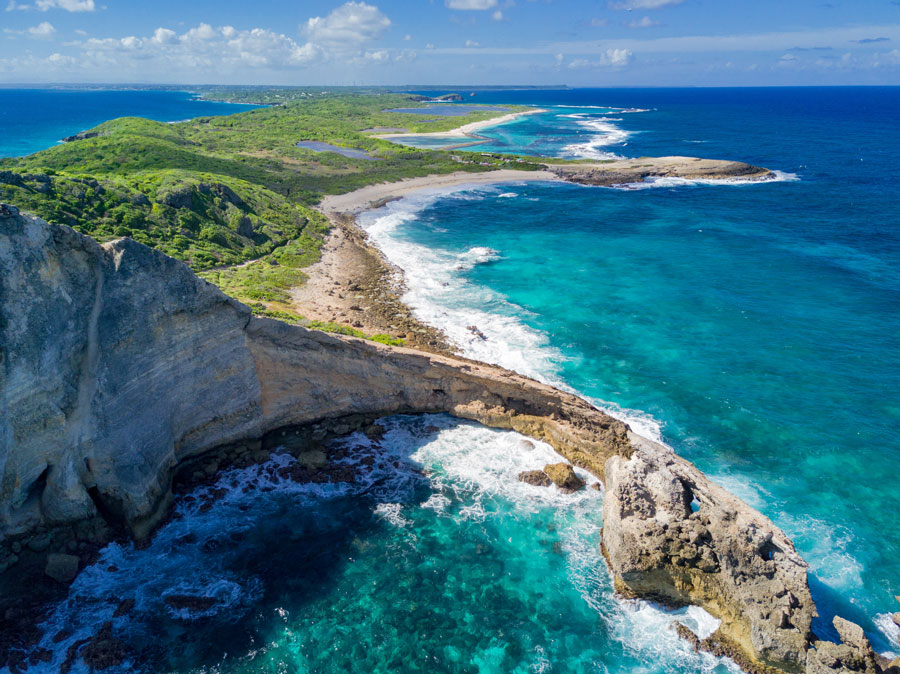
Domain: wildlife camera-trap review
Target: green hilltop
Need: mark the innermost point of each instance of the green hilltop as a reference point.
(231, 196)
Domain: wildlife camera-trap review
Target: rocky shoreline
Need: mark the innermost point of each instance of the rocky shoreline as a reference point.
(192, 382)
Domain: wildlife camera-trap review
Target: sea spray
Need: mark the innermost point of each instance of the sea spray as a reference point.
(435, 554)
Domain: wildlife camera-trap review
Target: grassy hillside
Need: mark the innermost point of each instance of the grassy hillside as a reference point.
(223, 191)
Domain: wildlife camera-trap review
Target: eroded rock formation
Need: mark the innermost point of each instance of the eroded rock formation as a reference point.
(673, 535)
(854, 655)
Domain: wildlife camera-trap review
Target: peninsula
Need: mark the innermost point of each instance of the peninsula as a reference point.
(127, 376)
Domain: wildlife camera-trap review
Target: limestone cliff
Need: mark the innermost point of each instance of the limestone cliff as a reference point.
(119, 366)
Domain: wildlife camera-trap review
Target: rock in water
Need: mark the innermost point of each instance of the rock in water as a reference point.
(61, 568)
(104, 650)
(673, 536)
(538, 478)
(853, 655)
(564, 477)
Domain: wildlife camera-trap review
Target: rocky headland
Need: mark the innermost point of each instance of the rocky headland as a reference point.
(121, 370)
(626, 171)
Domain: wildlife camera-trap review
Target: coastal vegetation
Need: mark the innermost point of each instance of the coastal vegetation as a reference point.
(232, 196)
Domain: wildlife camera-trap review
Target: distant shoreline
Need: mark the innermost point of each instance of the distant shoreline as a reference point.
(466, 130)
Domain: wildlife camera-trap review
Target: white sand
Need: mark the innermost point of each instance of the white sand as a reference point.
(361, 199)
(466, 130)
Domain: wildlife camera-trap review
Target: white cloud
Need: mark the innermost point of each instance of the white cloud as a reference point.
(43, 31)
(471, 4)
(598, 23)
(696, 44)
(407, 37)
(68, 5)
(646, 22)
(348, 26)
(202, 32)
(45, 5)
(612, 58)
(643, 4)
(58, 60)
(497, 15)
(472, 43)
(344, 35)
(164, 36)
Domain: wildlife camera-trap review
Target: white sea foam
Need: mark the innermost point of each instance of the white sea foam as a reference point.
(440, 294)
(476, 465)
(891, 632)
(477, 255)
(604, 134)
(604, 107)
(392, 513)
(653, 182)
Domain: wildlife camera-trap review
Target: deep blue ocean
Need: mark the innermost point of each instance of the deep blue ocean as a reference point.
(35, 119)
(755, 328)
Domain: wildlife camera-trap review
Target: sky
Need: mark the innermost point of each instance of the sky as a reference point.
(445, 42)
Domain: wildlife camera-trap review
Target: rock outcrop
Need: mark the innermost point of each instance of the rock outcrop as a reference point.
(536, 478)
(854, 655)
(635, 170)
(672, 535)
(564, 477)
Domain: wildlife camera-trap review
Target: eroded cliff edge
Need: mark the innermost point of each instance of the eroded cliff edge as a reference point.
(119, 365)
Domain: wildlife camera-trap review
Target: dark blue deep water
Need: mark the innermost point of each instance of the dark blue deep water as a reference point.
(32, 120)
(753, 327)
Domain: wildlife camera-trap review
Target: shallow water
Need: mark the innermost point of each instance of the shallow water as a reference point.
(319, 146)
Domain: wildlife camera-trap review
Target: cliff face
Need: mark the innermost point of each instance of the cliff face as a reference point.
(119, 365)
(114, 357)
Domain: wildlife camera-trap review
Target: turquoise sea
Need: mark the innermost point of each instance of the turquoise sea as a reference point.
(753, 327)
(35, 119)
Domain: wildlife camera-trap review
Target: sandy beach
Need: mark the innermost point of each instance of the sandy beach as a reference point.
(465, 129)
(362, 199)
(355, 285)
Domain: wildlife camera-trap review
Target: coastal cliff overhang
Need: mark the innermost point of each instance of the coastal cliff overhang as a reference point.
(120, 365)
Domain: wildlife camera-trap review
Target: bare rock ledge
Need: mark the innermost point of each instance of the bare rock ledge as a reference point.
(119, 365)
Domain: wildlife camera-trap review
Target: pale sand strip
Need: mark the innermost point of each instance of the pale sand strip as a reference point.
(465, 129)
(361, 199)
(355, 285)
